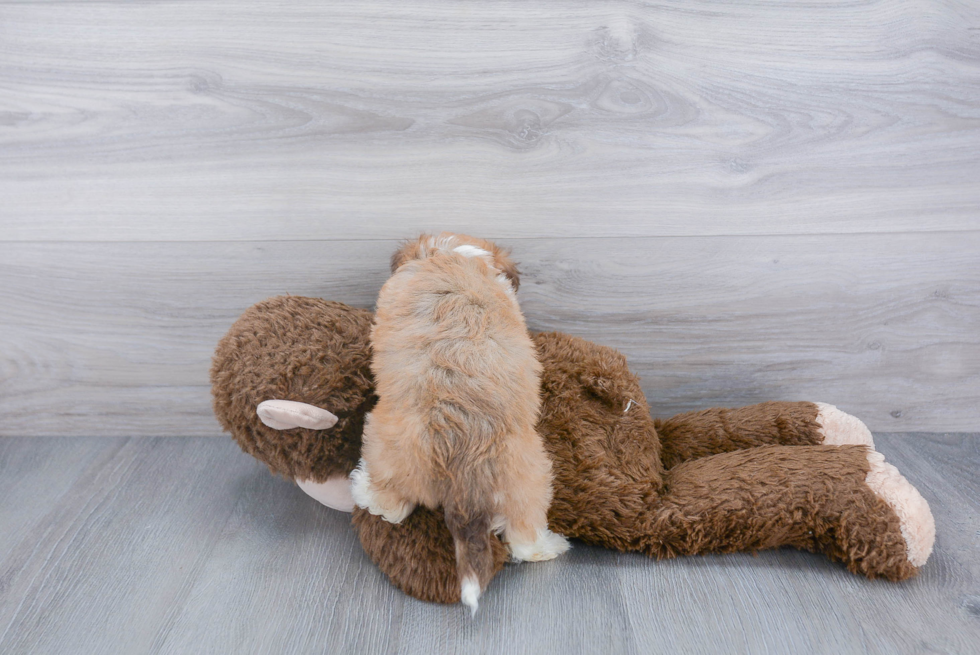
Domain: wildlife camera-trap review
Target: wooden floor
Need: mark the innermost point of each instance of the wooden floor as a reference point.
(753, 200)
(186, 545)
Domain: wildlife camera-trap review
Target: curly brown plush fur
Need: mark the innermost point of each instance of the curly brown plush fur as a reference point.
(303, 349)
(713, 481)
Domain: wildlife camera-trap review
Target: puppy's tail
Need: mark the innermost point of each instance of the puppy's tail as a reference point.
(474, 555)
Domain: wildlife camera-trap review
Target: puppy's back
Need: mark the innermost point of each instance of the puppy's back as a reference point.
(449, 337)
(452, 351)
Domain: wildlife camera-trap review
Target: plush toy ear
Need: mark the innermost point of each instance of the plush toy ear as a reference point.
(286, 414)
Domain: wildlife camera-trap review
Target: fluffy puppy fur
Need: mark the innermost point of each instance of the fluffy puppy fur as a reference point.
(458, 386)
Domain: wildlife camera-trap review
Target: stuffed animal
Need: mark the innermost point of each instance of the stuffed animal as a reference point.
(292, 384)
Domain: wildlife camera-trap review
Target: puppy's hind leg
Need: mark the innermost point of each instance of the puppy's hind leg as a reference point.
(546, 545)
(527, 495)
(372, 485)
(380, 500)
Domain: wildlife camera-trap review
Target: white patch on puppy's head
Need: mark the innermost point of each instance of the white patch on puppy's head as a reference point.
(472, 251)
(427, 245)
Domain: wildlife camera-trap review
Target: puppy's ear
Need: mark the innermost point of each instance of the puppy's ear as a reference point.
(408, 251)
(397, 259)
(506, 265)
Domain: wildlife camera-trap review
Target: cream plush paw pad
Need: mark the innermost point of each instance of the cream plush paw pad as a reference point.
(841, 429)
(918, 526)
(547, 546)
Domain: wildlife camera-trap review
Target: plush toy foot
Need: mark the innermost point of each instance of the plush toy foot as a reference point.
(547, 546)
(365, 497)
(841, 429)
(918, 526)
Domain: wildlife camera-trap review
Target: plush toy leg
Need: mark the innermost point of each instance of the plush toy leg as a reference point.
(698, 434)
(843, 501)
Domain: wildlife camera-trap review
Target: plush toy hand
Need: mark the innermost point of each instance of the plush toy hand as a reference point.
(287, 414)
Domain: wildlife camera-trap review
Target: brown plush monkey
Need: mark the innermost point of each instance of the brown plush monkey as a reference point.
(292, 384)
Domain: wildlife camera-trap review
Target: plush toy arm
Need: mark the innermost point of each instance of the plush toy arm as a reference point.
(843, 501)
(712, 431)
(418, 555)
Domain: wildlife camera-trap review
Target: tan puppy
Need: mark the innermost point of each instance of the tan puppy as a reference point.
(458, 384)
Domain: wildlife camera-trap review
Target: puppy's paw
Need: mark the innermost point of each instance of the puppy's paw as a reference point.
(360, 486)
(547, 546)
(394, 514)
(841, 429)
(364, 497)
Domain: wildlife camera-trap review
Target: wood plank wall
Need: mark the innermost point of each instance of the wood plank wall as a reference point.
(754, 200)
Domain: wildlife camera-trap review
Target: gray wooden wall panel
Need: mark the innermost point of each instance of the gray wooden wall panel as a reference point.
(752, 200)
(270, 120)
(116, 338)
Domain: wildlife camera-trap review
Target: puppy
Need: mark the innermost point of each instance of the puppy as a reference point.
(458, 398)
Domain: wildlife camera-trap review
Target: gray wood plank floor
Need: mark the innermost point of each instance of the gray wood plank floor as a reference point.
(180, 545)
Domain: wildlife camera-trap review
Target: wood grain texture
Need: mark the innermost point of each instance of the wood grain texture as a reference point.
(158, 545)
(116, 338)
(143, 121)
